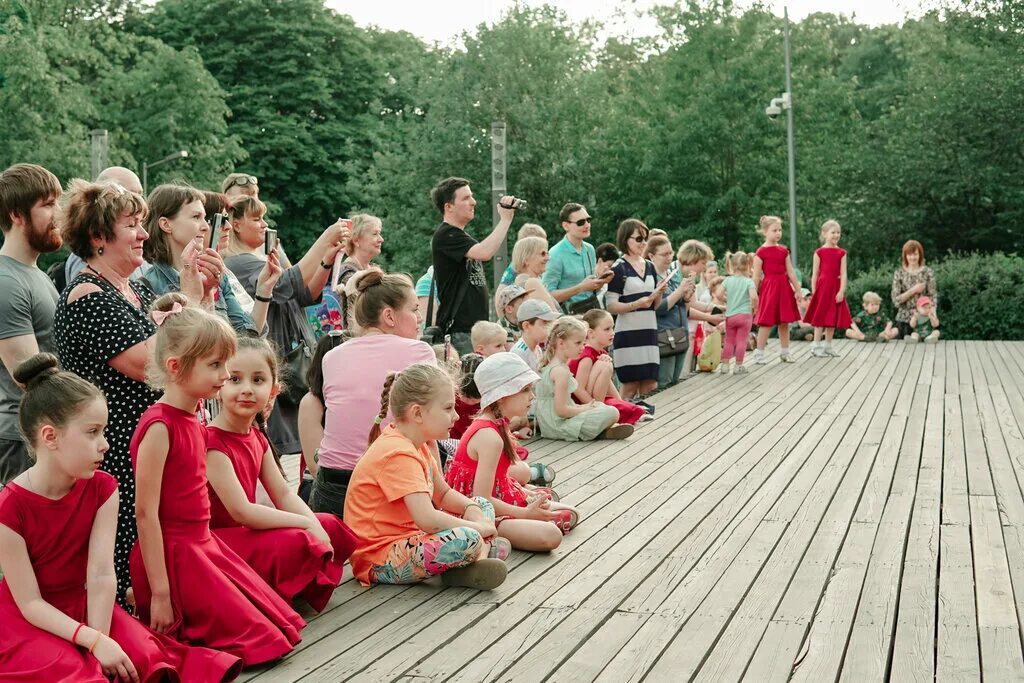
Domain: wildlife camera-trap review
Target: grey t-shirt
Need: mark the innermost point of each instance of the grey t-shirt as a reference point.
(28, 301)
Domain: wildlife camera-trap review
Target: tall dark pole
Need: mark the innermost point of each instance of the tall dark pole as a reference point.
(789, 137)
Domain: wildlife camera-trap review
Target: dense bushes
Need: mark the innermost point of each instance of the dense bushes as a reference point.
(981, 296)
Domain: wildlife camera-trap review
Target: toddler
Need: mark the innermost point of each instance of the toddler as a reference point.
(488, 338)
(924, 322)
(870, 325)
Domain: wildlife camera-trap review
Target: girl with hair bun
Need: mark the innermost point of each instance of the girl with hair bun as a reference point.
(57, 525)
(176, 553)
(778, 289)
(386, 312)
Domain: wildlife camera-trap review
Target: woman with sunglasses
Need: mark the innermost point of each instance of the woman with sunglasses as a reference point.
(634, 295)
(570, 275)
(241, 185)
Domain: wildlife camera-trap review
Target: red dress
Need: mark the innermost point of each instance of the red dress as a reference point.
(56, 535)
(217, 599)
(291, 560)
(629, 413)
(462, 471)
(823, 311)
(776, 302)
(466, 411)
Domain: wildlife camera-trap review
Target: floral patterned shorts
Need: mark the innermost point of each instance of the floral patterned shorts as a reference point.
(424, 555)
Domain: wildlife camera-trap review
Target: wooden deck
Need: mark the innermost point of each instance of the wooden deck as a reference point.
(850, 519)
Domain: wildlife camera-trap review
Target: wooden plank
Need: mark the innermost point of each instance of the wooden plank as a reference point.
(957, 657)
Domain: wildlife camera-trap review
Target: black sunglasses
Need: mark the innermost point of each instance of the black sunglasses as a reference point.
(581, 222)
(640, 239)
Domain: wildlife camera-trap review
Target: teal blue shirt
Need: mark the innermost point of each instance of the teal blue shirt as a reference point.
(737, 295)
(568, 267)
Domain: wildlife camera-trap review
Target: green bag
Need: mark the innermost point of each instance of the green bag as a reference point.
(711, 353)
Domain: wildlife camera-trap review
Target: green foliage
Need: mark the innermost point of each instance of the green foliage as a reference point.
(981, 296)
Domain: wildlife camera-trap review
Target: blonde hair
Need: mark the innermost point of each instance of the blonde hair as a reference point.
(766, 222)
(561, 329)
(485, 331)
(189, 334)
(595, 316)
(362, 223)
(418, 384)
(871, 298)
(244, 206)
(531, 230)
(738, 262)
(525, 249)
(826, 226)
(694, 251)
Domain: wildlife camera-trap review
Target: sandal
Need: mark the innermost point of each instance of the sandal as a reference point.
(482, 575)
(546, 489)
(618, 431)
(566, 520)
(541, 474)
(501, 548)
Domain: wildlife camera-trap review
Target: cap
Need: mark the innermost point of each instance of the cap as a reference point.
(923, 300)
(510, 293)
(500, 375)
(535, 308)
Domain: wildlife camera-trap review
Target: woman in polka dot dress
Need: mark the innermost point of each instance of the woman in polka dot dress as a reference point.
(102, 329)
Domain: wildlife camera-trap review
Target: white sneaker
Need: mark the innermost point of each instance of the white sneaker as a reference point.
(786, 358)
(740, 370)
(723, 369)
(646, 417)
(759, 358)
(829, 351)
(818, 352)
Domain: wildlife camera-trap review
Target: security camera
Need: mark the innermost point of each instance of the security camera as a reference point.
(772, 111)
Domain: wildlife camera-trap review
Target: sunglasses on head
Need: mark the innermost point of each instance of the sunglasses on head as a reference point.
(244, 180)
(581, 222)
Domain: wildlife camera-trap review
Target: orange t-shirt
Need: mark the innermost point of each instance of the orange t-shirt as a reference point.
(375, 510)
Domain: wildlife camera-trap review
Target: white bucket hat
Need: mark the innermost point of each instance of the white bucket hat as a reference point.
(503, 374)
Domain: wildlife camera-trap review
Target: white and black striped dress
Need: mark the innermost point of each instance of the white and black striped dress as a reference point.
(635, 350)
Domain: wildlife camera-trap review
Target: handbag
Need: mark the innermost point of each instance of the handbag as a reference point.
(588, 303)
(296, 368)
(673, 342)
(434, 334)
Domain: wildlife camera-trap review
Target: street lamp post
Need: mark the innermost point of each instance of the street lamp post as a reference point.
(776, 107)
(180, 154)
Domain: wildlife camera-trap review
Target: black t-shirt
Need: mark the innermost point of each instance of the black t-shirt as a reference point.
(454, 273)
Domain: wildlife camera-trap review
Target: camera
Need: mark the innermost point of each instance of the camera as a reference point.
(516, 203)
(773, 111)
(777, 106)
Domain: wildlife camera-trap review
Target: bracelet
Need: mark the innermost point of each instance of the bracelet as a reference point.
(326, 266)
(95, 642)
(264, 299)
(74, 636)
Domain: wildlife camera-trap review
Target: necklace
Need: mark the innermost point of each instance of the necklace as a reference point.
(129, 295)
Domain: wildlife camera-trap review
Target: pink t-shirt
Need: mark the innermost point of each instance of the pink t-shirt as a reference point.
(354, 375)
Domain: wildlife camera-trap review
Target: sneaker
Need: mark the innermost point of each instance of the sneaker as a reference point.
(740, 370)
(829, 351)
(566, 520)
(501, 548)
(541, 474)
(818, 352)
(909, 340)
(482, 575)
(618, 431)
(760, 359)
(786, 358)
(723, 369)
(931, 340)
(646, 417)
(648, 408)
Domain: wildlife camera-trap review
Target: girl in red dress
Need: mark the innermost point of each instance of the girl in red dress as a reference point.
(778, 290)
(828, 310)
(187, 582)
(593, 369)
(297, 552)
(57, 525)
(529, 520)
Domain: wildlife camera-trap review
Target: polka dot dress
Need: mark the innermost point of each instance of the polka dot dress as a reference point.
(88, 333)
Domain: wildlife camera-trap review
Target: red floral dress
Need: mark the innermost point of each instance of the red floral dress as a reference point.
(462, 472)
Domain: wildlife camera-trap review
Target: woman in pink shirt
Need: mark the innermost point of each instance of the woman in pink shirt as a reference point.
(387, 313)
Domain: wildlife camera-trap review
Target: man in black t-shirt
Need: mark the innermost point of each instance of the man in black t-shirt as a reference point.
(458, 259)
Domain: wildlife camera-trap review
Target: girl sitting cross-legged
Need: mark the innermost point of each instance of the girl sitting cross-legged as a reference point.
(528, 519)
(412, 524)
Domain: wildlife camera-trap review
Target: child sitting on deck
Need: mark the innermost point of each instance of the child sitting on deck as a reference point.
(870, 325)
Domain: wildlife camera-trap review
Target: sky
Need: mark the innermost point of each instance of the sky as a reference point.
(442, 21)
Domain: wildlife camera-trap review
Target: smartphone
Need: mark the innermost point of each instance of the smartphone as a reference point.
(215, 227)
(447, 347)
(672, 270)
(270, 243)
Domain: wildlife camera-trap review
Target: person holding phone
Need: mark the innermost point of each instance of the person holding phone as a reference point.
(177, 218)
(634, 295)
(299, 285)
(571, 274)
(673, 324)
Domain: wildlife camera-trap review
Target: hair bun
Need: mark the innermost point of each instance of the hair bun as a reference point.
(365, 279)
(167, 301)
(37, 368)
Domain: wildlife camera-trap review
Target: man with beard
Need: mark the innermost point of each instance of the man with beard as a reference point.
(28, 202)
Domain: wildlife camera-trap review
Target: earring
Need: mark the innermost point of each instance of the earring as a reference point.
(100, 251)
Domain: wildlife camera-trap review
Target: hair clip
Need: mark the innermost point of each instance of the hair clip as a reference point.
(160, 317)
(377, 420)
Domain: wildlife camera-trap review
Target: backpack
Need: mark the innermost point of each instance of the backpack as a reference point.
(710, 353)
